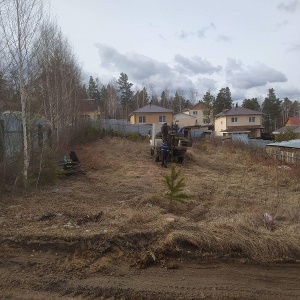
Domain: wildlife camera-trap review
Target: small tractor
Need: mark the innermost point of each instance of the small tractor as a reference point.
(178, 143)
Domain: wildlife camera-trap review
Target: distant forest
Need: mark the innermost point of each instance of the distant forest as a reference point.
(118, 99)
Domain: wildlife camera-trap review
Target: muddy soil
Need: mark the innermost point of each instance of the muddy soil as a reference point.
(91, 236)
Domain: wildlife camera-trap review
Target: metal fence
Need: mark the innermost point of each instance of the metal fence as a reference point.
(11, 133)
(290, 156)
(122, 126)
(144, 130)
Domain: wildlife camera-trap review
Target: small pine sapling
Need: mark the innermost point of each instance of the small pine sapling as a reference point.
(175, 187)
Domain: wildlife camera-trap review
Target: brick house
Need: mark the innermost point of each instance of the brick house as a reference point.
(150, 114)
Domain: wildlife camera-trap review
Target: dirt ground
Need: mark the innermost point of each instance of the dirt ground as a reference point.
(98, 236)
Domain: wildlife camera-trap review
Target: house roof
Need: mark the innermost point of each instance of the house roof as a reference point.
(293, 124)
(150, 108)
(287, 144)
(293, 121)
(241, 128)
(294, 128)
(199, 105)
(238, 111)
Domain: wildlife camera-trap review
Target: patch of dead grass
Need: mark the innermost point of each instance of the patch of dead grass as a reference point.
(231, 189)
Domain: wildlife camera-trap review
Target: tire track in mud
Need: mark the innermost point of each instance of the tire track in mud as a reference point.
(37, 275)
(204, 283)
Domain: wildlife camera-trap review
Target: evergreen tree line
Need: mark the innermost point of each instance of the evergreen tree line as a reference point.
(117, 100)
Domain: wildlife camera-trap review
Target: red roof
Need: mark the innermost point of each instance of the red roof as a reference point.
(293, 121)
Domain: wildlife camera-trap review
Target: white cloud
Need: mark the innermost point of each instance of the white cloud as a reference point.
(294, 47)
(143, 70)
(224, 38)
(290, 7)
(200, 33)
(281, 24)
(287, 91)
(138, 67)
(247, 77)
(195, 65)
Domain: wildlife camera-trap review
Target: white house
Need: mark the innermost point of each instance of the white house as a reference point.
(182, 120)
(238, 120)
(199, 111)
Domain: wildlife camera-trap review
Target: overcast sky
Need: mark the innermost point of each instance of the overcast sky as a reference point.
(249, 46)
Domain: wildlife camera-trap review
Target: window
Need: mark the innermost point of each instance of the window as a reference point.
(162, 119)
(142, 119)
(195, 113)
(234, 120)
(251, 119)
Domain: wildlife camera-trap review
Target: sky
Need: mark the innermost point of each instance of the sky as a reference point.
(190, 45)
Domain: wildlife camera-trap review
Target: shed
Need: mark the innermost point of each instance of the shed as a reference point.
(286, 151)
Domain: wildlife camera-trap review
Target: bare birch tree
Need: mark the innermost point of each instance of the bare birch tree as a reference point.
(112, 100)
(19, 22)
(60, 80)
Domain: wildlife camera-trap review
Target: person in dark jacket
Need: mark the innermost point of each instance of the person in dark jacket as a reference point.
(164, 131)
(73, 157)
(165, 153)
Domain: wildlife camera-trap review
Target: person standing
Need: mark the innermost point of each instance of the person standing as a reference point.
(164, 131)
(165, 153)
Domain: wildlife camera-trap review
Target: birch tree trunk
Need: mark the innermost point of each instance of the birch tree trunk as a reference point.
(19, 22)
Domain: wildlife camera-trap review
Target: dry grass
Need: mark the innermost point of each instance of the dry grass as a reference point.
(231, 187)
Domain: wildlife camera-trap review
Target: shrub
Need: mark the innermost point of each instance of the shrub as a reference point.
(285, 136)
(134, 136)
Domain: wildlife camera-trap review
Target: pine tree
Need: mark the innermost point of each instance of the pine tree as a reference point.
(251, 104)
(93, 92)
(126, 94)
(164, 99)
(141, 98)
(175, 187)
(179, 102)
(223, 100)
(154, 100)
(271, 108)
(208, 100)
